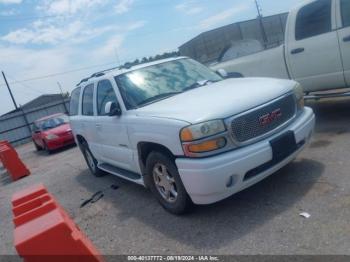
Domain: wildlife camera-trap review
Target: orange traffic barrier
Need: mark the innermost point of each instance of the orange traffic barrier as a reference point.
(10, 160)
(45, 232)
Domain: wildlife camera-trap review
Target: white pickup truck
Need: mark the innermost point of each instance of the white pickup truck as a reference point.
(316, 52)
(185, 132)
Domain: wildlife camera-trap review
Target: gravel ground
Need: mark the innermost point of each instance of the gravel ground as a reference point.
(263, 219)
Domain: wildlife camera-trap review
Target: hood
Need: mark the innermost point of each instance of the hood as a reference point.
(60, 130)
(218, 100)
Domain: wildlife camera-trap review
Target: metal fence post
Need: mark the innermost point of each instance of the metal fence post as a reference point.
(26, 120)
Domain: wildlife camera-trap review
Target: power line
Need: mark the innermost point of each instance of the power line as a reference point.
(60, 73)
(26, 86)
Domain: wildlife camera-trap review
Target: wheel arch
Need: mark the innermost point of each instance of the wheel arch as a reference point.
(145, 148)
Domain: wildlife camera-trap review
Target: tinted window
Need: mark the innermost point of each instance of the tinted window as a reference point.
(35, 127)
(88, 109)
(153, 83)
(314, 19)
(74, 102)
(105, 94)
(53, 122)
(345, 12)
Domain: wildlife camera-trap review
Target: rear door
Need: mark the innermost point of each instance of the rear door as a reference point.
(112, 130)
(313, 53)
(344, 35)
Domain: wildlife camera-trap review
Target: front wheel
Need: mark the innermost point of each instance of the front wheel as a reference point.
(38, 148)
(165, 183)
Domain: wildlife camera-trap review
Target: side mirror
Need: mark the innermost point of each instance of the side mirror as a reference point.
(223, 73)
(113, 109)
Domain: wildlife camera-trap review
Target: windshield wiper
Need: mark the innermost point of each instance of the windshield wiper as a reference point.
(157, 98)
(198, 84)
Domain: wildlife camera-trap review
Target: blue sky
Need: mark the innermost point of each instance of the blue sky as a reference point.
(53, 37)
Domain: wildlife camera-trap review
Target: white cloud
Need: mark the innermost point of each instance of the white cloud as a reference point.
(10, 1)
(123, 6)
(111, 48)
(7, 12)
(68, 7)
(189, 8)
(223, 16)
(135, 25)
(41, 33)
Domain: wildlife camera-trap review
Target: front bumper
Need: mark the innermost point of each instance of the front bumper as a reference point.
(60, 142)
(215, 178)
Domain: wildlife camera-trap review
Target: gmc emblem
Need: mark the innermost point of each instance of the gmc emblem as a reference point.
(270, 117)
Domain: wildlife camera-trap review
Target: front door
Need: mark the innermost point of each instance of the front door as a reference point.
(112, 130)
(312, 50)
(344, 36)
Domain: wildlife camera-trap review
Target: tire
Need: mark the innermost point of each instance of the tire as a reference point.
(46, 148)
(91, 161)
(164, 181)
(38, 148)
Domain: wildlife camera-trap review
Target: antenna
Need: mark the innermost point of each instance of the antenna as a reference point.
(116, 55)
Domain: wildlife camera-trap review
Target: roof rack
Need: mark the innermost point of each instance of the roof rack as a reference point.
(98, 74)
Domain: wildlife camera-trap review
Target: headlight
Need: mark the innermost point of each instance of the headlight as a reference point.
(202, 130)
(299, 95)
(51, 137)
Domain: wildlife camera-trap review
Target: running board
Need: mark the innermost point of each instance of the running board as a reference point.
(128, 175)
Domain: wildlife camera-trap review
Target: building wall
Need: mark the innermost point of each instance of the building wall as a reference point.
(16, 127)
(208, 46)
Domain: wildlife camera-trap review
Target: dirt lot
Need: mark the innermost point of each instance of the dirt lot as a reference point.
(263, 219)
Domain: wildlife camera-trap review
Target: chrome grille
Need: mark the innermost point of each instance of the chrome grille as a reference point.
(250, 125)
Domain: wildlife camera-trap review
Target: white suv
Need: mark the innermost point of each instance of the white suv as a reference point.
(186, 132)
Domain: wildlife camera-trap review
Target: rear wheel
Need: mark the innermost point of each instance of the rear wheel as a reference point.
(165, 183)
(91, 161)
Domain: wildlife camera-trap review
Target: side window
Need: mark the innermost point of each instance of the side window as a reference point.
(314, 19)
(88, 108)
(105, 94)
(74, 102)
(345, 12)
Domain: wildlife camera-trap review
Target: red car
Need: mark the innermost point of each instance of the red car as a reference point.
(52, 132)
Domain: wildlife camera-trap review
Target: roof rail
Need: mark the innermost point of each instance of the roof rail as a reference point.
(99, 73)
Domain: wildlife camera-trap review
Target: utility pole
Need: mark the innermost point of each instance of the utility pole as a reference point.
(64, 102)
(263, 32)
(258, 8)
(9, 89)
(14, 102)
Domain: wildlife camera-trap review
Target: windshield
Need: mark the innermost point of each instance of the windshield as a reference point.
(53, 122)
(150, 84)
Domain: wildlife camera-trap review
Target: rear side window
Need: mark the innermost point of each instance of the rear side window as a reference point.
(88, 108)
(74, 102)
(105, 94)
(345, 12)
(314, 19)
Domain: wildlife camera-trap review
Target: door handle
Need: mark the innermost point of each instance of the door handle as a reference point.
(297, 51)
(346, 39)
